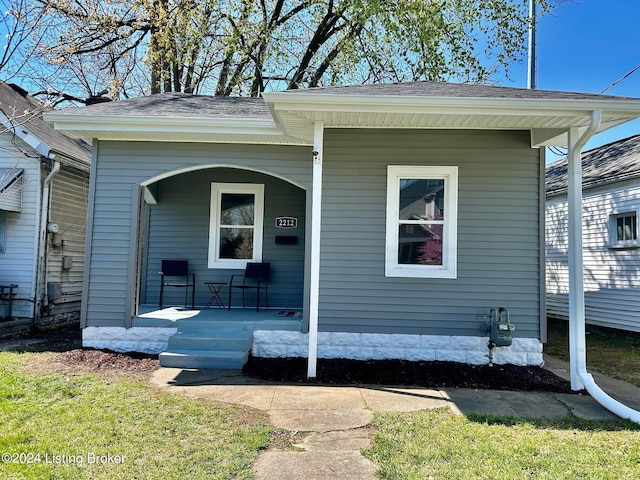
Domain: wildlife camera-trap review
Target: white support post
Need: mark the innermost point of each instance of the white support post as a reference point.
(316, 222)
(577, 349)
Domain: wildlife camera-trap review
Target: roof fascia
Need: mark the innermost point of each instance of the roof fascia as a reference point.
(459, 105)
(22, 132)
(113, 123)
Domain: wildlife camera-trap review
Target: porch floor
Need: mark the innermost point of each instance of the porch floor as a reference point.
(152, 316)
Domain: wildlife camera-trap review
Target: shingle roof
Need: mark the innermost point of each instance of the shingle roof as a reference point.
(603, 165)
(188, 105)
(179, 105)
(456, 90)
(26, 111)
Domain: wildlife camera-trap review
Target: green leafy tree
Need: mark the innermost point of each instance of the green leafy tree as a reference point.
(242, 47)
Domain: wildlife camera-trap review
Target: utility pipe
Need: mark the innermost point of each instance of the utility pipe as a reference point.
(44, 221)
(580, 378)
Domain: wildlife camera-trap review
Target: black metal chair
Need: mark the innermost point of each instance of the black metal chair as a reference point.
(175, 273)
(255, 277)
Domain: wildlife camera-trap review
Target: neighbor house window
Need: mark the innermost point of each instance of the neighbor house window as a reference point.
(236, 219)
(623, 230)
(421, 222)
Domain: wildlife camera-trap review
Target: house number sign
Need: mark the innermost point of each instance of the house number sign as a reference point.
(286, 222)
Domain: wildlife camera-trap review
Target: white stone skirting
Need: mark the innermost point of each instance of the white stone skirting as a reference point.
(378, 346)
(135, 339)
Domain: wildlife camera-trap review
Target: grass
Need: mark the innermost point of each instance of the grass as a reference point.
(437, 444)
(75, 427)
(615, 353)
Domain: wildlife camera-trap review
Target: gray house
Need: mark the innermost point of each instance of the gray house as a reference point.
(44, 190)
(415, 209)
(611, 205)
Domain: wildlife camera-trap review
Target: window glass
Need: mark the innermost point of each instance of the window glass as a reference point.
(626, 227)
(237, 209)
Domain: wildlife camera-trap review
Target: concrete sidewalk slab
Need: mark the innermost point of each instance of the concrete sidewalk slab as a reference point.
(333, 420)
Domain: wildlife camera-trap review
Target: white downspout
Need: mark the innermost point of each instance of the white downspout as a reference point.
(316, 222)
(580, 378)
(42, 242)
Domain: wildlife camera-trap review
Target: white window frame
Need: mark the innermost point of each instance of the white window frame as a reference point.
(448, 269)
(217, 190)
(613, 229)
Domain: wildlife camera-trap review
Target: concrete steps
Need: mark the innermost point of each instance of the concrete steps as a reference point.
(223, 344)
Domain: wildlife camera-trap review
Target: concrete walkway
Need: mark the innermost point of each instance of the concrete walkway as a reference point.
(330, 424)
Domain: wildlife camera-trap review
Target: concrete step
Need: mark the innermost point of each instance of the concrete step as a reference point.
(204, 359)
(215, 341)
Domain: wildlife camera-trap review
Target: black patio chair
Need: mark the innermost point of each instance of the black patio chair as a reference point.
(175, 273)
(255, 277)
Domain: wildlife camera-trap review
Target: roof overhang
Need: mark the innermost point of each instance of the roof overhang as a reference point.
(547, 120)
(11, 184)
(171, 128)
(22, 132)
(294, 114)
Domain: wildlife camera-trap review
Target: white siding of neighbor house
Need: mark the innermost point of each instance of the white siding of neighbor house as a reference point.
(611, 276)
(18, 261)
(499, 226)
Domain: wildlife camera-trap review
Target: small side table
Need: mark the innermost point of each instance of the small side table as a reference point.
(214, 288)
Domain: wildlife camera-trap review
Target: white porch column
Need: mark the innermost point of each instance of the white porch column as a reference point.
(316, 222)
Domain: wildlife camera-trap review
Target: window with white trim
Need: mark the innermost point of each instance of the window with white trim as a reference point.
(235, 227)
(422, 222)
(623, 229)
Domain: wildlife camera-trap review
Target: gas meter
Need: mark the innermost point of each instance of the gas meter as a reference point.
(498, 327)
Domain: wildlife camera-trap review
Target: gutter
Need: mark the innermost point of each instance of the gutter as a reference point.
(580, 378)
(41, 270)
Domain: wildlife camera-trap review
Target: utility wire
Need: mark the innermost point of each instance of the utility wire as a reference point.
(620, 79)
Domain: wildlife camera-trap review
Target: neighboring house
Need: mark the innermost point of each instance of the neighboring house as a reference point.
(44, 186)
(364, 170)
(611, 207)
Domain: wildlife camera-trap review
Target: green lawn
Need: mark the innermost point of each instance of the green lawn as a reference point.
(612, 352)
(436, 444)
(75, 427)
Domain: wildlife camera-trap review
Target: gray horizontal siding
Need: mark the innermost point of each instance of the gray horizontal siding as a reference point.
(179, 228)
(498, 233)
(121, 167)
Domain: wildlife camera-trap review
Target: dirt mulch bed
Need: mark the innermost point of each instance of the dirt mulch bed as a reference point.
(62, 352)
(401, 372)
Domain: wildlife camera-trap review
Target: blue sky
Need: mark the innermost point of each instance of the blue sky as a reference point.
(586, 45)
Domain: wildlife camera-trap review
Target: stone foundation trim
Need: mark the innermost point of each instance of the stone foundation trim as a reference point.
(380, 346)
(135, 339)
